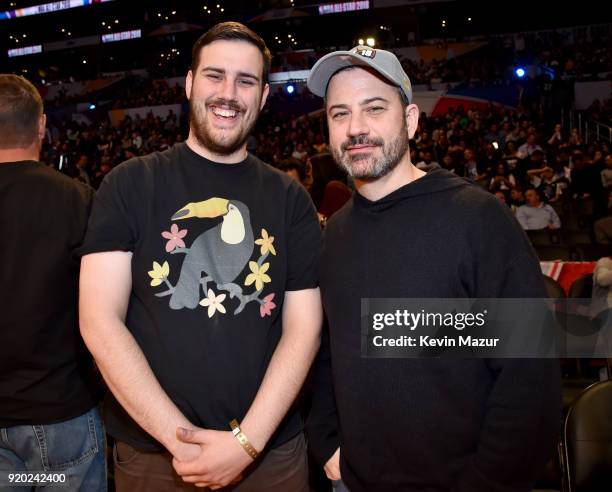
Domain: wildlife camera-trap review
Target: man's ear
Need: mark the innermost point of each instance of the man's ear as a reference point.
(188, 82)
(412, 119)
(264, 96)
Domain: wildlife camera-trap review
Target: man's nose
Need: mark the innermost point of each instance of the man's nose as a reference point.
(357, 125)
(228, 89)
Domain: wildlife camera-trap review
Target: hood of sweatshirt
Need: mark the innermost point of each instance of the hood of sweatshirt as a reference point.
(435, 181)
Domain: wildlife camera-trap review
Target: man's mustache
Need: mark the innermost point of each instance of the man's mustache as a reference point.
(362, 140)
(231, 104)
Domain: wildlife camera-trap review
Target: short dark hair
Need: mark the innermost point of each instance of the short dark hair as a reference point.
(537, 191)
(20, 110)
(232, 31)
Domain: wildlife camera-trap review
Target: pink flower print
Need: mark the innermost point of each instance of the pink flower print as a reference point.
(175, 238)
(268, 305)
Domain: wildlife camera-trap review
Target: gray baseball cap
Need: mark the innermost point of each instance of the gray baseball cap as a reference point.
(384, 62)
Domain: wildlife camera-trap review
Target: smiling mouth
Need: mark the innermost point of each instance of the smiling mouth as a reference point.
(225, 113)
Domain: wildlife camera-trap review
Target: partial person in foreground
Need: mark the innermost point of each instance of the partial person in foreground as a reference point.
(199, 294)
(385, 425)
(49, 420)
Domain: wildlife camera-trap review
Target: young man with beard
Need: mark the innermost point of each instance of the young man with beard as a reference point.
(199, 293)
(418, 424)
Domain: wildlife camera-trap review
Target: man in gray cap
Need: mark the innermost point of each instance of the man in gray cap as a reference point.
(462, 424)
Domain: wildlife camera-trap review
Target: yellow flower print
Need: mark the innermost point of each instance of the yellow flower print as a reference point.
(258, 275)
(159, 273)
(265, 242)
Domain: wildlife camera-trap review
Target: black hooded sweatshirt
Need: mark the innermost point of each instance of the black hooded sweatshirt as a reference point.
(461, 425)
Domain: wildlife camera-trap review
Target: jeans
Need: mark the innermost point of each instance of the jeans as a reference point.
(75, 447)
(338, 486)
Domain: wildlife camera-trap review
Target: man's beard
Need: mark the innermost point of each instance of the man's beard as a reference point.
(392, 154)
(201, 127)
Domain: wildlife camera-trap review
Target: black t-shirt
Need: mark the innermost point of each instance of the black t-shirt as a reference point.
(46, 373)
(215, 247)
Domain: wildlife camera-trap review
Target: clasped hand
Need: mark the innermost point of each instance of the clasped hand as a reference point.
(209, 458)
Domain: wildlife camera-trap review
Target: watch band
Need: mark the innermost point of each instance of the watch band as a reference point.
(243, 439)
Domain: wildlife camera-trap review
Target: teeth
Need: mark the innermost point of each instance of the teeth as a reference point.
(226, 113)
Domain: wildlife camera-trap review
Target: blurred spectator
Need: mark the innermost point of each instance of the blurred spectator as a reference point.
(300, 152)
(517, 198)
(549, 182)
(529, 147)
(502, 197)
(556, 139)
(427, 164)
(472, 170)
(503, 180)
(320, 145)
(535, 214)
(82, 169)
(294, 168)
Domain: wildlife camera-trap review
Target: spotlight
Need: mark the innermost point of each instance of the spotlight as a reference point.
(520, 72)
(370, 42)
(92, 106)
(290, 88)
(360, 41)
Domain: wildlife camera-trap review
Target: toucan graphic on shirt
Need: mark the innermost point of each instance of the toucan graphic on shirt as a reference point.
(216, 258)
